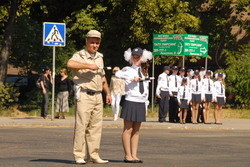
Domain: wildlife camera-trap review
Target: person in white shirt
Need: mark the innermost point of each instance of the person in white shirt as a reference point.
(207, 88)
(190, 74)
(182, 73)
(219, 96)
(202, 73)
(134, 109)
(184, 97)
(144, 68)
(117, 87)
(196, 91)
(162, 93)
(174, 83)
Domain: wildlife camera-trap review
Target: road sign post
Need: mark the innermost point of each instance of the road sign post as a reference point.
(54, 34)
(180, 44)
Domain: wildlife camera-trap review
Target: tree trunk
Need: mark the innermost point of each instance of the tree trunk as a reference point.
(7, 40)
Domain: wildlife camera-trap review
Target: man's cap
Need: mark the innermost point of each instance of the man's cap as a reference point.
(137, 51)
(209, 72)
(202, 69)
(93, 34)
(175, 68)
(166, 68)
(182, 69)
(196, 72)
(189, 70)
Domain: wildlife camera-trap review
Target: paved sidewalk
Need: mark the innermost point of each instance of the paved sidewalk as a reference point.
(228, 124)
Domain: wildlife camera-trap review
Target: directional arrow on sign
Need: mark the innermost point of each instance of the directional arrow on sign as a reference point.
(203, 50)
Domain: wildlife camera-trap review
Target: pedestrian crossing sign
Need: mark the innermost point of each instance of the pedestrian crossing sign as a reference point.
(54, 34)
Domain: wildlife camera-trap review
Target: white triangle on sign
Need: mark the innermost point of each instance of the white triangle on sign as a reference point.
(54, 35)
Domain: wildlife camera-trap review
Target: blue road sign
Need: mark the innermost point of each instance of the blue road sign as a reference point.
(54, 34)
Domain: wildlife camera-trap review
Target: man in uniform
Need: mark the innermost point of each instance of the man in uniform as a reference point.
(174, 84)
(162, 92)
(89, 78)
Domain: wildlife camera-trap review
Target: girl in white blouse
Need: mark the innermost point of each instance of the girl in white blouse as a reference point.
(196, 91)
(219, 96)
(183, 97)
(207, 87)
(134, 107)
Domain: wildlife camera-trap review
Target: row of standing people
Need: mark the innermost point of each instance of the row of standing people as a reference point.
(63, 87)
(181, 93)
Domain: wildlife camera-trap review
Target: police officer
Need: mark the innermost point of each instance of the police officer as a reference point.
(90, 79)
(174, 84)
(162, 92)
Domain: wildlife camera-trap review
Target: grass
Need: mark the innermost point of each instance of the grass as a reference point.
(28, 110)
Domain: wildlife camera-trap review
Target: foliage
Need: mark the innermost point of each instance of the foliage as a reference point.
(162, 17)
(218, 18)
(8, 95)
(83, 20)
(27, 51)
(238, 78)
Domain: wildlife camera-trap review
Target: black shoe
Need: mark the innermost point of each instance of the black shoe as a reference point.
(130, 161)
(138, 161)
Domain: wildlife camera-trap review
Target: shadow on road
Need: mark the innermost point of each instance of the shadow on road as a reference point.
(53, 160)
(66, 161)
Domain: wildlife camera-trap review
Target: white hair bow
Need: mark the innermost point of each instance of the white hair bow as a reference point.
(146, 55)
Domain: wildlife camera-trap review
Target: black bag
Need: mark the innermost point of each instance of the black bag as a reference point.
(38, 83)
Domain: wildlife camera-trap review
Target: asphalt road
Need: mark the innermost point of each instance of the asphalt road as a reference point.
(158, 147)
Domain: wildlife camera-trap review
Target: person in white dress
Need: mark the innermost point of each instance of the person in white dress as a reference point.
(117, 87)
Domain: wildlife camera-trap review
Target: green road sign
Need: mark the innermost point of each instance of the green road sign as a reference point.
(180, 44)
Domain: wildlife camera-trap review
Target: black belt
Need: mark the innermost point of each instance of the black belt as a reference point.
(90, 92)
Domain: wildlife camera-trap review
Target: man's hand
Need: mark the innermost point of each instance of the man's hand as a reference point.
(159, 97)
(93, 67)
(44, 91)
(108, 99)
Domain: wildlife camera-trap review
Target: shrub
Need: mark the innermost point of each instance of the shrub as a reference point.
(8, 95)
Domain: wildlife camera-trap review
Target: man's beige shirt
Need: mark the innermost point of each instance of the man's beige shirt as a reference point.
(117, 86)
(88, 79)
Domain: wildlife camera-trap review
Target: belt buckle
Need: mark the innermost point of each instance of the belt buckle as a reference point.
(89, 92)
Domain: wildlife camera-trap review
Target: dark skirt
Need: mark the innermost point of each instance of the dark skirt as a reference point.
(196, 98)
(208, 98)
(220, 100)
(184, 104)
(133, 111)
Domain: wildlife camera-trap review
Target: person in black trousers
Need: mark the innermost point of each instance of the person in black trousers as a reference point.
(162, 93)
(174, 84)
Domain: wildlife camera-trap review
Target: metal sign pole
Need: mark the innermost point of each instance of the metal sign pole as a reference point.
(153, 72)
(53, 84)
(183, 61)
(206, 64)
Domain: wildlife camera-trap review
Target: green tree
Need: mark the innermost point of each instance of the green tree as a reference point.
(238, 78)
(15, 9)
(218, 18)
(166, 17)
